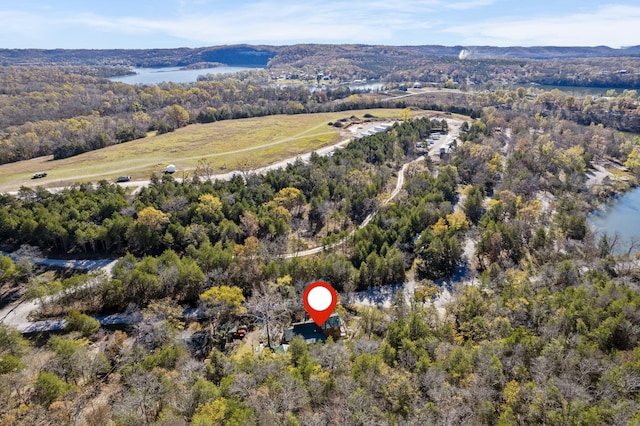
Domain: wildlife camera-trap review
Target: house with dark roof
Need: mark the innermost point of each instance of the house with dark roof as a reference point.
(312, 332)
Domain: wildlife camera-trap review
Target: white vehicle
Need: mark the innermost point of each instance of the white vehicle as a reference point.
(170, 169)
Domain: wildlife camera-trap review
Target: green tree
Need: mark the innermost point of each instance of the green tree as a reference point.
(372, 321)
(210, 208)
(12, 342)
(291, 199)
(300, 358)
(177, 116)
(8, 270)
(222, 303)
(10, 363)
(633, 161)
(473, 206)
(210, 414)
(191, 279)
(70, 360)
(50, 387)
(202, 392)
(440, 258)
(82, 323)
(145, 234)
(223, 411)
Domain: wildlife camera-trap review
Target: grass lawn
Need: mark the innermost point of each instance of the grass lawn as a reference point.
(263, 140)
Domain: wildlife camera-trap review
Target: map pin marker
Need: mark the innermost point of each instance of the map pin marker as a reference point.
(319, 300)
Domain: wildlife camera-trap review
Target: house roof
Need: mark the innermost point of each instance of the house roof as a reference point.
(310, 331)
(332, 322)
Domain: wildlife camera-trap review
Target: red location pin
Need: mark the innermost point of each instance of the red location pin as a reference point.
(319, 300)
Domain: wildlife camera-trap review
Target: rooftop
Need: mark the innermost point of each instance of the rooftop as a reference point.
(312, 332)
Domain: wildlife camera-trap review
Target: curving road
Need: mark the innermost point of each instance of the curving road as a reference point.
(364, 223)
(17, 314)
(78, 264)
(433, 152)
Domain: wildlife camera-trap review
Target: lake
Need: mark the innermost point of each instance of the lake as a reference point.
(620, 216)
(173, 74)
(359, 87)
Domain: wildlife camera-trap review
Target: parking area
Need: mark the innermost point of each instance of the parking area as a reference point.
(367, 129)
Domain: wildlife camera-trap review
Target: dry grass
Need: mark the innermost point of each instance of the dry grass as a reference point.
(246, 346)
(264, 140)
(618, 173)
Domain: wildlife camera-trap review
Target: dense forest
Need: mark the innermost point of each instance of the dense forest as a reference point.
(221, 216)
(540, 326)
(545, 335)
(67, 110)
(244, 55)
(260, 55)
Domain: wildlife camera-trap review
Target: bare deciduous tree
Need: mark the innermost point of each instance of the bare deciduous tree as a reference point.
(144, 398)
(204, 170)
(269, 308)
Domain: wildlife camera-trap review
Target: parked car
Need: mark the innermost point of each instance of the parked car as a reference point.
(238, 332)
(123, 179)
(39, 175)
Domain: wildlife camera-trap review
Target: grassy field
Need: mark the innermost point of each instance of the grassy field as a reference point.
(263, 140)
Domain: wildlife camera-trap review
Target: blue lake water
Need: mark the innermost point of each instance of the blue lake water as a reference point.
(173, 74)
(620, 216)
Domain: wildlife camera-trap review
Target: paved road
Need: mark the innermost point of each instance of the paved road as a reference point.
(454, 132)
(17, 314)
(365, 222)
(384, 295)
(78, 264)
(353, 131)
(327, 150)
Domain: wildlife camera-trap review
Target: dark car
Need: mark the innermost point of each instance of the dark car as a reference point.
(123, 179)
(38, 175)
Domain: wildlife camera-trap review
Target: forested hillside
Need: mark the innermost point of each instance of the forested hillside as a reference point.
(65, 110)
(544, 335)
(231, 55)
(471, 286)
(260, 55)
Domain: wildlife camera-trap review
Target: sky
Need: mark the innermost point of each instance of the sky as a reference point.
(103, 24)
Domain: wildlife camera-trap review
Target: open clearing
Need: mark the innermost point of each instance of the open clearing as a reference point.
(262, 140)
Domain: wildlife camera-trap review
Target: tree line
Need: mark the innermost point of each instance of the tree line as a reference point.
(249, 219)
(69, 110)
(515, 349)
(546, 335)
(60, 111)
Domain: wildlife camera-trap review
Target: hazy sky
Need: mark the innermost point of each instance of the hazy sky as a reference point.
(193, 23)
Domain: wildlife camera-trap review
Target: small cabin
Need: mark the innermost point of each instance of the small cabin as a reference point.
(312, 332)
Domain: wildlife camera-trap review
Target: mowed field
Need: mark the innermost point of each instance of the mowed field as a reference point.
(262, 140)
